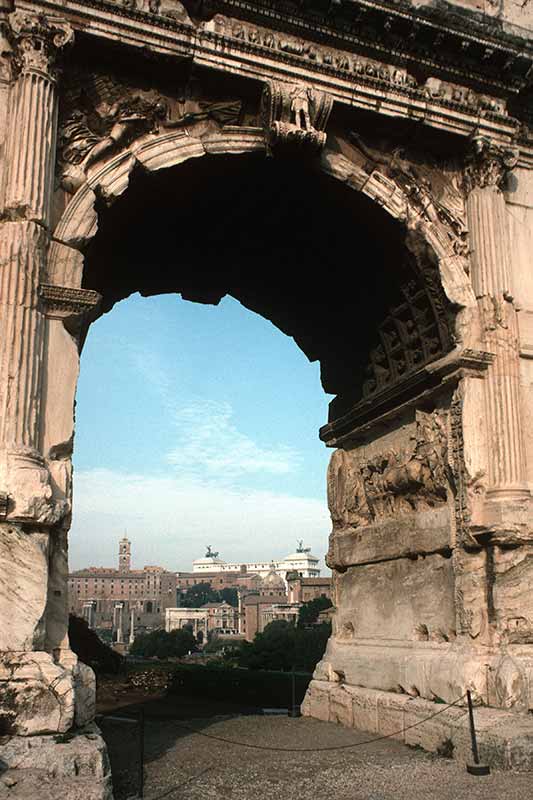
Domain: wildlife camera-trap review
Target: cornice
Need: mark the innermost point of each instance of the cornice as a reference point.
(447, 40)
(351, 79)
(376, 412)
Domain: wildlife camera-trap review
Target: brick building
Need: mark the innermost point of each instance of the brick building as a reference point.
(253, 604)
(119, 599)
(218, 580)
(302, 590)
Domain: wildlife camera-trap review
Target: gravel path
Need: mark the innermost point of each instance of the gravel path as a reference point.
(180, 764)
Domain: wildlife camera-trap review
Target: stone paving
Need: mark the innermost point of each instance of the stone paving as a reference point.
(180, 764)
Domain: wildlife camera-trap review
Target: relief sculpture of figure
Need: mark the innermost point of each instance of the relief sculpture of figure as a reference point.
(300, 99)
(226, 112)
(83, 143)
(414, 478)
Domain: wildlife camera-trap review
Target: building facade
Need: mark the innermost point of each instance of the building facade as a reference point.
(242, 580)
(211, 618)
(302, 590)
(122, 599)
(302, 561)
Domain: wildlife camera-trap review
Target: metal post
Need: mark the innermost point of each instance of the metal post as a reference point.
(294, 710)
(141, 753)
(476, 768)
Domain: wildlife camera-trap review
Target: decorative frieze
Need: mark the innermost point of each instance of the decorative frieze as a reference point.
(398, 481)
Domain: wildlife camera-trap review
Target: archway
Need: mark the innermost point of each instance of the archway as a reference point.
(265, 231)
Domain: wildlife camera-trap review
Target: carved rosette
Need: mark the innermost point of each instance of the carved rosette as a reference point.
(38, 40)
(295, 114)
(487, 164)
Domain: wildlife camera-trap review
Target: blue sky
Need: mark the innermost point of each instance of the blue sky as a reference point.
(196, 425)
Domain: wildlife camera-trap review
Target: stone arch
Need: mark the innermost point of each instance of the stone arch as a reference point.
(433, 237)
(427, 234)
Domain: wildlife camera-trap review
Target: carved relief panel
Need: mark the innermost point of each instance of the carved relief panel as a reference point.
(411, 474)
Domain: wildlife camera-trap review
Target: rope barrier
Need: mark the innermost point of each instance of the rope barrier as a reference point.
(190, 729)
(252, 746)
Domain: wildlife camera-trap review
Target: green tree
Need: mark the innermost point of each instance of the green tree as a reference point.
(198, 595)
(271, 649)
(308, 614)
(229, 596)
(281, 646)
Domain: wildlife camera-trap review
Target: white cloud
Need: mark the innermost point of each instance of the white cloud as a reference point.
(211, 445)
(170, 519)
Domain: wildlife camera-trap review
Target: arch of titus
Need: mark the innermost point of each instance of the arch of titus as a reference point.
(362, 172)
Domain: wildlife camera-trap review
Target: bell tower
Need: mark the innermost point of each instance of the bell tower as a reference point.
(124, 555)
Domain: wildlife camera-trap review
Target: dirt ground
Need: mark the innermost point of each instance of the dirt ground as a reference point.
(180, 764)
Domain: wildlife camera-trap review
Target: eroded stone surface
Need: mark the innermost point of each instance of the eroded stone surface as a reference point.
(505, 741)
(77, 763)
(37, 694)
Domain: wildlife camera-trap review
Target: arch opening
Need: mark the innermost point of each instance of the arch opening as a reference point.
(323, 263)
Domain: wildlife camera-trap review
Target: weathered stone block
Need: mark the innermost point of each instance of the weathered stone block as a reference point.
(36, 695)
(400, 599)
(76, 762)
(24, 558)
(505, 739)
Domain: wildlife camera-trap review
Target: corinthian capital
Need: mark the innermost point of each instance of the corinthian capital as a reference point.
(487, 164)
(38, 40)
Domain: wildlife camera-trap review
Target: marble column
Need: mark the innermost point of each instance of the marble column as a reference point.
(485, 174)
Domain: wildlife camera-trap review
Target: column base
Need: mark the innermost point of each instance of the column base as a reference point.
(505, 740)
(71, 766)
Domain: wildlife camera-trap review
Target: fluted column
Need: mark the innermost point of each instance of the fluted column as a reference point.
(30, 156)
(485, 174)
(33, 116)
(22, 248)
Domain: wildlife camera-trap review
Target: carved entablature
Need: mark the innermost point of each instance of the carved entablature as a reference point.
(64, 301)
(488, 164)
(38, 40)
(400, 480)
(295, 114)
